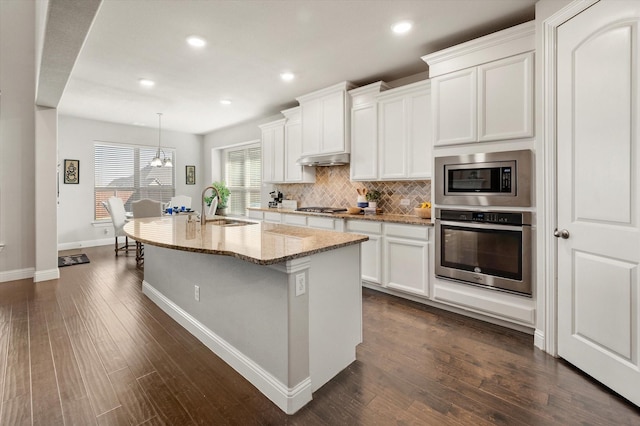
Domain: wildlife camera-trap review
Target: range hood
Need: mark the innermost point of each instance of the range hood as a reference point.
(324, 160)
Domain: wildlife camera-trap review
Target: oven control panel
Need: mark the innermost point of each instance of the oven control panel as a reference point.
(504, 218)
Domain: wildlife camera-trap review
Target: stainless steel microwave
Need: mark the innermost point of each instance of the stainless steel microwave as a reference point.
(487, 179)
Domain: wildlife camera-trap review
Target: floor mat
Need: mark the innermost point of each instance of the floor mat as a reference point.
(73, 259)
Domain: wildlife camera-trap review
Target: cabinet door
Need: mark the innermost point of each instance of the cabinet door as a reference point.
(505, 98)
(406, 266)
(311, 126)
(370, 259)
(419, 135)
(292, 152)
(454, 106)
(273, 154)
(392, 146)
(333, 130)
(364, 142)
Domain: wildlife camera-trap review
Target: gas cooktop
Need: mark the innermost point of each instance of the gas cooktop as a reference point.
(321, 209)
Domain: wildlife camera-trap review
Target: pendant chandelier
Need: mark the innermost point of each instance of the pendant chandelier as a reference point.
(165, 161)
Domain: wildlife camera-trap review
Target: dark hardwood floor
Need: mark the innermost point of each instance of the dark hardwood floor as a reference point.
(90, 348)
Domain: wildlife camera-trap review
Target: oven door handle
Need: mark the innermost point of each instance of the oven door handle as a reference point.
(493, 226)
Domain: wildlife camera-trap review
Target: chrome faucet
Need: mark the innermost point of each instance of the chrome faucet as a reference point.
(203, 215)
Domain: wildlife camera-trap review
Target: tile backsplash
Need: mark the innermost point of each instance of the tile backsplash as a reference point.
(333, 188)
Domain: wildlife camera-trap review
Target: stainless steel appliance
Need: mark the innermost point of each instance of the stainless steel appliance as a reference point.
(489, 179)
(485, 248)
(321, 209)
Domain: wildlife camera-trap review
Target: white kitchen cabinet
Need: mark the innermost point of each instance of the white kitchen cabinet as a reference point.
(505, 98)
(364, 131)
(483, 89)
(406, 258)
(294, 173)
(273, 151)
(272, 217)
(370, 251)
(404, 132)
(294, 219)
(254, 214)
(325, 120)
(455, 107)
(328, 223)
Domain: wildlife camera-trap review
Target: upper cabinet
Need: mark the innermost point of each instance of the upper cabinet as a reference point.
(294, 173)
(281, 148)
(364, 131)
(483, 89)
(273, 151)
(405, 133)
(325, 120)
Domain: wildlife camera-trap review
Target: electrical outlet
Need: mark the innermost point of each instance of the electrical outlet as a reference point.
(404, 202)
(196, 292)
(301, 284)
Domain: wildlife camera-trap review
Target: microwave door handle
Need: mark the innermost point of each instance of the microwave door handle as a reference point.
(493, 226)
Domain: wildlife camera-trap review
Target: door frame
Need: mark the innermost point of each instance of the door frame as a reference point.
(547, 337)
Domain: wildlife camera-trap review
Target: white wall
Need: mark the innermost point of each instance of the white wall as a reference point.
(75, 141)
(17, 139)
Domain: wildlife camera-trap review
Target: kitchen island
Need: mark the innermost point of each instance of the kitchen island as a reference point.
(280, 304)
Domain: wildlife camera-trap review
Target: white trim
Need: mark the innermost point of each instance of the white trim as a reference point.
(547, 210)
(87, 243)
(49, 274)
(16, 274)
(538, 338)
(292, 266)
(287, 399)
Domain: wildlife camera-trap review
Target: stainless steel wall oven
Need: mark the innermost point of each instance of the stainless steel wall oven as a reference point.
(486, 248)
(488, 179)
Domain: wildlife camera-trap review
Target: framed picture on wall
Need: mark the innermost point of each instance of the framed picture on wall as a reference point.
(191, 175)
(72, 171)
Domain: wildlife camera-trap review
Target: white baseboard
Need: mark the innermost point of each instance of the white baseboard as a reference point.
(49, 274)
(287, 399)
(538, 339)
(87, 243)
(16, 274)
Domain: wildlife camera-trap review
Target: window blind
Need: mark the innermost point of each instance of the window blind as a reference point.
(243, 175)
(124, 171)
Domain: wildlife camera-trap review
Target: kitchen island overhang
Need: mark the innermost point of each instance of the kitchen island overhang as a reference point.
(280, 304)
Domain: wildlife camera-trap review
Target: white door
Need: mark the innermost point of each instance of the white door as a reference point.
(599, 194)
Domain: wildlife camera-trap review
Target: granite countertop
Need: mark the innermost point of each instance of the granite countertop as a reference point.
(393, 218)
(259, 243)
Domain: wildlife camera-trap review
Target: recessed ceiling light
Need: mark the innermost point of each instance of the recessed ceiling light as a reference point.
(287, 76)
(402, 27)
(225, 102)
(146, 83)
(196, 41)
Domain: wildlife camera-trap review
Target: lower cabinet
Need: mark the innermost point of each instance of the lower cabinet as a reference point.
(396, 255)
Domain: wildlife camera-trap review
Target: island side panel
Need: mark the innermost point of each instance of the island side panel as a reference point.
(243, 303)
(335, 312)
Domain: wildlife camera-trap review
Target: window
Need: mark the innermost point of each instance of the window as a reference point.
(123, 171)
(243, 175)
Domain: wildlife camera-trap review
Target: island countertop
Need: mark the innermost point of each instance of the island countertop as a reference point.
(258, 242)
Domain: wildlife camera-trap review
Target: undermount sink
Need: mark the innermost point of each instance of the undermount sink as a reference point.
(229, 222)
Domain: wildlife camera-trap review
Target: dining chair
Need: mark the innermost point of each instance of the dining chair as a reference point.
(115, 207)
(141, 209)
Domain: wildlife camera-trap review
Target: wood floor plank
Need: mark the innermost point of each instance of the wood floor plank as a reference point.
(16, 411)
(166, 405)
(135, 406)
(17, 380)
(47, 409)
(99, 388)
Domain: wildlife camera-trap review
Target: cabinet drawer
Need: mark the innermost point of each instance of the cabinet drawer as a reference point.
(294, 219)
(321, 222)
(406, 231)
(272, 217)
(254, 214)
(368, 227)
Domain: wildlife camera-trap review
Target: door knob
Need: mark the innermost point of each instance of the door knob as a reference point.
(564, 234)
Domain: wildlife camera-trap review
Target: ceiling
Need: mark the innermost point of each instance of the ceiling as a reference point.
(249, 43)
